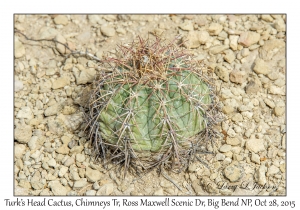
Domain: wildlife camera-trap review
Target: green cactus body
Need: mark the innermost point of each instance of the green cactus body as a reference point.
(153, 106)
(151, 115)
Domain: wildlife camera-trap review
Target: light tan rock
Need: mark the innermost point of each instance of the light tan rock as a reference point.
(60, 82)
(65, 139)
(203, 36)
(76, 149)
(272, 170)
(222, 73)
(19, 48)
(228, 109)
(61, 20)
(260, 67)
(69, 161)
(230, 56)
(253, 86)
(56, 126)
(93, 19)
(20, 191)
(80, 183)
(267, 18)
(233, 141)
(277, 90)
(106, 189)
(63, 149)
(255, 145)
(282, 167)
(19, 150)
(225, 148)
(60, 48)
(25, 112)
(52, 110)
(248, 38)
(62, 171)
(45, 86)
(73, 175)
(233, 172)
(191, 41)
(233, 42)
(279, 24)
(237, 76)
(92, 175)
(84, 76)
(237, 117)
(271, 48)
(187, 25)
(23, 133)
(57, 188)
(215, 29)
(18, 85)
(218, 49)
(255, 158)
(80, 158)
(261, 175)
(108, 30)
(159, 191)
(278, 111)
(269, 103)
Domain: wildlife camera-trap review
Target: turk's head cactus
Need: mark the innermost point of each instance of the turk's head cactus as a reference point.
(151, 106)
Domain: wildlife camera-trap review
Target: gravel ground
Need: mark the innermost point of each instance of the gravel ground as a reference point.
(247, 53)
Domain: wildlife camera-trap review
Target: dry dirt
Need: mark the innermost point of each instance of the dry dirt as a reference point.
(247, 53)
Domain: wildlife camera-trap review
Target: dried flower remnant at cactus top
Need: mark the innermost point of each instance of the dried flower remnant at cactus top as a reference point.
(152, 106)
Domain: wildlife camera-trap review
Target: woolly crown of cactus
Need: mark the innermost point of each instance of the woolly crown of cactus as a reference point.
(150, 106)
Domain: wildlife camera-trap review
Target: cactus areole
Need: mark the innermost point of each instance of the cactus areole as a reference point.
(151, 99)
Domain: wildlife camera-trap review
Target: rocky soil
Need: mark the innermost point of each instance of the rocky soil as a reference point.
(247, 53)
